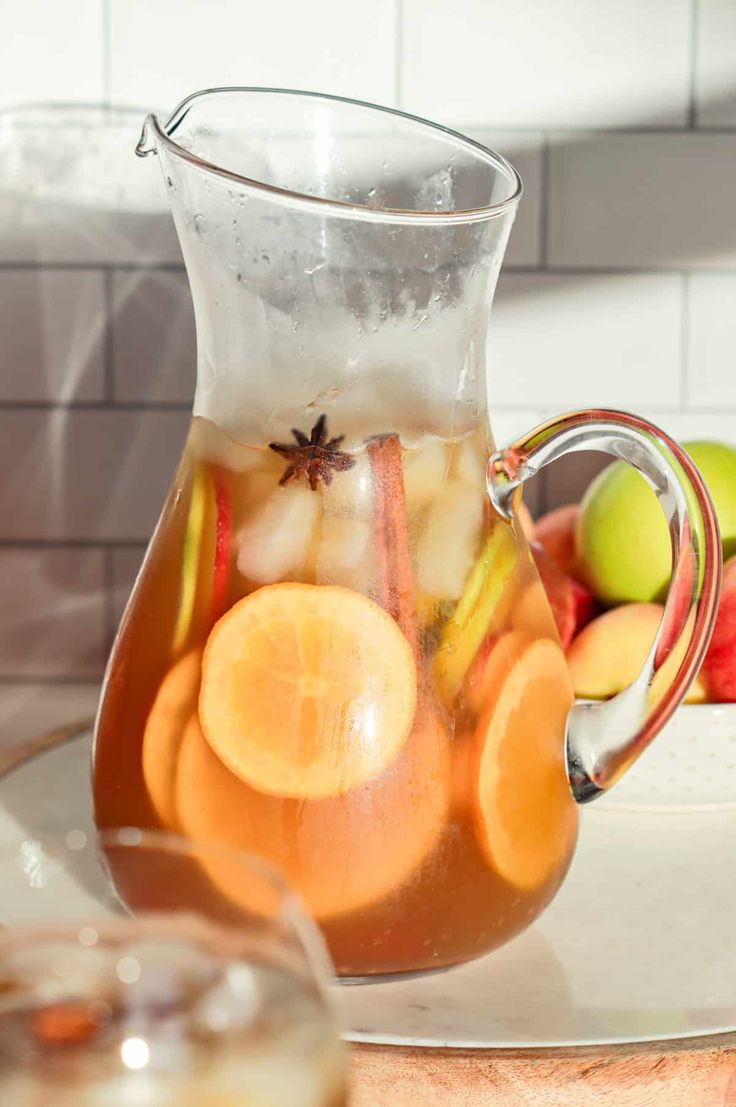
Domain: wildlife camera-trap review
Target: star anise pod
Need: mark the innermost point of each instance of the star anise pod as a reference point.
(315, 457)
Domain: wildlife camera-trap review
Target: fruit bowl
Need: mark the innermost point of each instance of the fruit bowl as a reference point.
(691, 765)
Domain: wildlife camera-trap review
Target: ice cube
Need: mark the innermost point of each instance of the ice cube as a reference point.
(350, 493)
(470, 463)
(342, 552)
(274, 544)
(448, 543)
(425, 471)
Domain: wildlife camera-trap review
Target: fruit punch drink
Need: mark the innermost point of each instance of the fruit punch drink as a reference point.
(337, 656)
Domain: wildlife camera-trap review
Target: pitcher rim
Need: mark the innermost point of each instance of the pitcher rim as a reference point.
(164, 131)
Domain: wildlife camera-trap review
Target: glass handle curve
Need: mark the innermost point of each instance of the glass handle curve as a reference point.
(605, 738)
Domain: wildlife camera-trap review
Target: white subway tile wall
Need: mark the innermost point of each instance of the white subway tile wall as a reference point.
(124, 566)
(32, 708)
(603, 340)
(715, 103)
(85, 474)
(54, 612)
(51, 51)
(619, 286)
(53, 329)
(663, 201)
(154, 355)
(561, 63)
(711, 342)
(159, 52)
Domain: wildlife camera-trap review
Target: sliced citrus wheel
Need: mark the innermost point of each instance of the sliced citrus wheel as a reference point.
(339, 854)
(175, 701)
(307, 690)
(526, 817)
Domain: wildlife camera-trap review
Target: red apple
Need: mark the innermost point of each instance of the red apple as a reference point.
(556, 532)
(572, 605)
(584, 603)
(719, 667)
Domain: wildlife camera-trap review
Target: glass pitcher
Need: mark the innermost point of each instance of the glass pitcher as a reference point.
(338, 653)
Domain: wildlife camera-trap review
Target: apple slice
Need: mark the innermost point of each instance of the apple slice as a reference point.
(449, 540)
(477, 611)
(191, 551)
(223, 543)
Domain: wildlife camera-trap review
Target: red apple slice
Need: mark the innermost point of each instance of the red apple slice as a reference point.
(719, 667)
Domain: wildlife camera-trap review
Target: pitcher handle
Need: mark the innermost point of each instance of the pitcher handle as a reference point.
(604, 739)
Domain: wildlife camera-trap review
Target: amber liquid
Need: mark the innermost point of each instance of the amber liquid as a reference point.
(460, 841)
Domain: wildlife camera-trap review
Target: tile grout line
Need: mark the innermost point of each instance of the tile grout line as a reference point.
(109, 339)
(551, 270)
(101, 544)
(544, 174)
(139, 406)
(692, 111)
(618, 270)
(23, 265)
(163, 407)
(559, 270)
(398, 50)
(9, 265)
(108, 576)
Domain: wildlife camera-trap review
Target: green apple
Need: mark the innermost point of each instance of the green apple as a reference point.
(622, 540)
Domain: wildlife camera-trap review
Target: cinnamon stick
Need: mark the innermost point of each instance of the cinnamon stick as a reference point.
(393, 555)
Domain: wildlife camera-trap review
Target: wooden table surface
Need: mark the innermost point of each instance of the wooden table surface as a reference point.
(699, 1072)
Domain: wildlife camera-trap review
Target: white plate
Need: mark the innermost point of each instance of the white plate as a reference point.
(639, 945)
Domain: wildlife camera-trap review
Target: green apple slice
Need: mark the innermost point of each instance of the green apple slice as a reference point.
(473, 615)
(190, 557)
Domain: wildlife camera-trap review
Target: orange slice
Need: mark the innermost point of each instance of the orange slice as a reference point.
(307, 690)
(175, 701)
(339, 854)
(526, 817)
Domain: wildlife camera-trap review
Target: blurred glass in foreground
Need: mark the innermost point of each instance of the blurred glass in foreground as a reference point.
(116, 989)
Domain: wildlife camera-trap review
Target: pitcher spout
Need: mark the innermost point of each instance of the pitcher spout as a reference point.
(147, 142)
